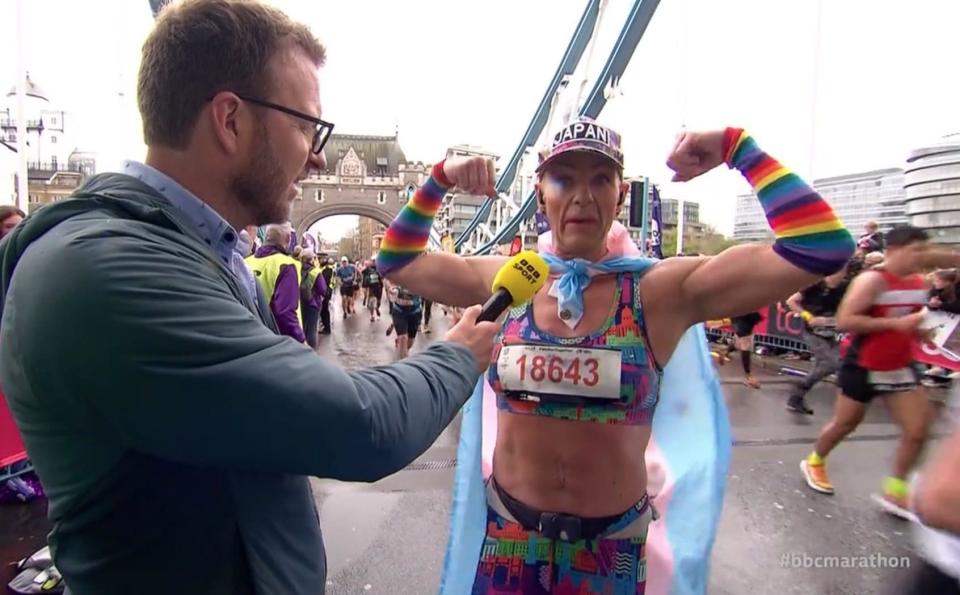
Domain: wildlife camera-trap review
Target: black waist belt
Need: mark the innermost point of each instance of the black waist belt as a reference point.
(552, 525)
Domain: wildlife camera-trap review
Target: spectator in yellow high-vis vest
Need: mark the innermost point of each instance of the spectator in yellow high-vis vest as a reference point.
(279, 276)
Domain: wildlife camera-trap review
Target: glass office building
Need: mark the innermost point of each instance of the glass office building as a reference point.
(932, 185)
(856, 198)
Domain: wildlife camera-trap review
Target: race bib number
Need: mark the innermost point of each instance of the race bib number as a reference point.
(892, 380)
(568, 371)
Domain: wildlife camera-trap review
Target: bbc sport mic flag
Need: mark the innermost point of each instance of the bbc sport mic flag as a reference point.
(656, 224)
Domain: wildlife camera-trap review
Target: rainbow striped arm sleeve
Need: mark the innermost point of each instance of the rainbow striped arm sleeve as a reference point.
(407, 236)
(808, 233)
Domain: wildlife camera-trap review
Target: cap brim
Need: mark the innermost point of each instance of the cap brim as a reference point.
(554, 157)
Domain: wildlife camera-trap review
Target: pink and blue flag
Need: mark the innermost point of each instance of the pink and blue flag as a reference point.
(687, 461)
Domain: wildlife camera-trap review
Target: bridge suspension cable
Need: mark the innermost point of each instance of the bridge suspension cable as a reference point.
(630, 35)
(571, 58)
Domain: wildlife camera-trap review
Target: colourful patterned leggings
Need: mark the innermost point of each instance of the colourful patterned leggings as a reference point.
(516, 560)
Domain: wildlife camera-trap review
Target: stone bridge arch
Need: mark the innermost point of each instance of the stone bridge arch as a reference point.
(367, 176)
(377, 213)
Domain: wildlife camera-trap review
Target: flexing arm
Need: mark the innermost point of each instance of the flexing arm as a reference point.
(810, 241)
(938, 497)
(188, 374)
(437, 276)
(450, 279)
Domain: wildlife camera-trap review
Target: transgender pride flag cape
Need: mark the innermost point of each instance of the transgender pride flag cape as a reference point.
(687, 460)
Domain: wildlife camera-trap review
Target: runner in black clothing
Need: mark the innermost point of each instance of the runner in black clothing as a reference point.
(406, 309)
(817, 306)
(327, 272)
(372, 282)
(427, 311)
(743, 340)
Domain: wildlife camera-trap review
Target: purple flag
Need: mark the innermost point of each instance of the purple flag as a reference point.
(656, 224)
(543, 225)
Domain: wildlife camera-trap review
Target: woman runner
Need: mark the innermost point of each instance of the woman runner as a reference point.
(578, 368)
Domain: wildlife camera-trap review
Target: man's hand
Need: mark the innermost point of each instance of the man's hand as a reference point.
(695, 153)
(472, 175)
(477, 337)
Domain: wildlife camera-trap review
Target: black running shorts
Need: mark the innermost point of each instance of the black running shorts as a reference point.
(861, 384)
(406, 323)
(743, 325)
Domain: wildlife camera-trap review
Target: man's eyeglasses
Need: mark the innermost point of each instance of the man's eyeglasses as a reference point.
(323, 128)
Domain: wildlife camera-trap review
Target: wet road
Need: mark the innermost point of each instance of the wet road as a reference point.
(389, 537)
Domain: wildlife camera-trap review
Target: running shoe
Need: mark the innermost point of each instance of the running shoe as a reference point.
(816, 476)
(798, 405)
(719, 358)
(895, 506)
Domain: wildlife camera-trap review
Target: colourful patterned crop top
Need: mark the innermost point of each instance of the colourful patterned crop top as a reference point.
(607, 377)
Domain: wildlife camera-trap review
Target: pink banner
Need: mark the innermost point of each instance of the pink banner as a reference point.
(931, 354)
(12, 449)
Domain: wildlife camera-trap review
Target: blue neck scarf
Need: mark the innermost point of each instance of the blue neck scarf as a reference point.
(575, 277)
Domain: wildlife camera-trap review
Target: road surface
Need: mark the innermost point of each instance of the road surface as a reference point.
(389, 537)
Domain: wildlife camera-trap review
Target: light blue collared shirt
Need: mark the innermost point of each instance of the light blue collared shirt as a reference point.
(213, 228)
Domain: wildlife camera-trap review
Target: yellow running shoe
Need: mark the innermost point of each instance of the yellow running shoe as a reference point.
(816, 476)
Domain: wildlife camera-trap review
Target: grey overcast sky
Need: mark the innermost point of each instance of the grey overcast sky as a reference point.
(455, 71)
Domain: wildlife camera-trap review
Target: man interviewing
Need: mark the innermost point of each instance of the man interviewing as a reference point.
(171, 425)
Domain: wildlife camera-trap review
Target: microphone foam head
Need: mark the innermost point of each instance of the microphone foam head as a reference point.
(522, 276)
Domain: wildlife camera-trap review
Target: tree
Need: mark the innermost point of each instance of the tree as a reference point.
(710, 242)
(668, 242)
(713, 242)
(347, 246)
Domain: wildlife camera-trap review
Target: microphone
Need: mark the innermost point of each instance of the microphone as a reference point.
(515, 283)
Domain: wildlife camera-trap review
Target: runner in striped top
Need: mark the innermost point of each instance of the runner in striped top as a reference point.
(883, 312)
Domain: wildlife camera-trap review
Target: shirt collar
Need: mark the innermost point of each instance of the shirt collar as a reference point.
(213, 228)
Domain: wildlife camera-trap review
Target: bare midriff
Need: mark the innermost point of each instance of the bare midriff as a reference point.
(573, 467)
(584, 469)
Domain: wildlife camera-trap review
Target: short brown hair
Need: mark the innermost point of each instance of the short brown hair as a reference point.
(199, 48)
(7, 211)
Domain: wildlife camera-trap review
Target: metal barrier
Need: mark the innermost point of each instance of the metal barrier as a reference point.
(8, 472)
(762, 340)
(781, 343)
